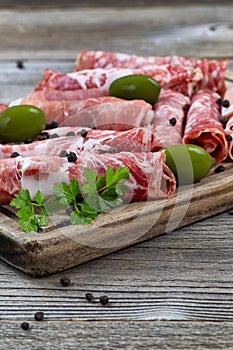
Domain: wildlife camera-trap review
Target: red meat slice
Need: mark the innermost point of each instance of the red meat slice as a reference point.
(3, 107)
(203, 126)
(96, 141)
(96, 111)
(150, 178)
(167, 75)
(169, 115)
(213, 70)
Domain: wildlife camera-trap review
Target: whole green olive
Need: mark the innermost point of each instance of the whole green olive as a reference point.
(189, 163)
(136, 86)
(20, 122)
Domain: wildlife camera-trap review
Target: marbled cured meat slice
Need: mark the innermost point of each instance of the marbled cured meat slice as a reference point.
(203, 126)
(213, 70)
(118, 116)
(66, 95)
(98, 111)
(150, 178)
(167, 75)
(169, 115)
(95, 141)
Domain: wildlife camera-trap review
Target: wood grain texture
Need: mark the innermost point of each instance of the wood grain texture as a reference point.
(60, 247)
(174, 291)
(191, 30)
(119, 335)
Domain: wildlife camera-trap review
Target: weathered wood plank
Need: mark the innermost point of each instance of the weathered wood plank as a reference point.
(185, 275)
(190, 30)
(118, 335)
(59, 248)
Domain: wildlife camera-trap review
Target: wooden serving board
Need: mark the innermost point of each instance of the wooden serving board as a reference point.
(62, 246)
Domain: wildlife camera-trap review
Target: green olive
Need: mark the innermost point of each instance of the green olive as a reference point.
(189, 163)
(20, 122)
(136, 86)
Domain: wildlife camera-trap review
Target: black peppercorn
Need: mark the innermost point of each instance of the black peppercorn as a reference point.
(43, 136)
(83, 133)
(186, 107)
(70, 133)
(14, 154)
(219, 169)
(225, 103)
(104, 299)
(51, 125)
(54, 136)
(28, 140)
(71, 157)
(20, 64)
(172, 121)
(219, 101)
(63, 153)
(65, 281)
(39, 316)
(25, 325)
(228, 138)
(89, 296)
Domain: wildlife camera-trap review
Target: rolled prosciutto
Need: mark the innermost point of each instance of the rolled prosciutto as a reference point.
(150, 178)
(169, 115)
(203, 126)
(104, 112)
(81, 140)
(167, 75)
(213, 70)
(227, 116)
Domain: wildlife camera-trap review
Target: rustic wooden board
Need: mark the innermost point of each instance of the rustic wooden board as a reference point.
(61, 246)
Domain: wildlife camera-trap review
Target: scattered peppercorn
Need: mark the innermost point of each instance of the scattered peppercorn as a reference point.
(20, 64)
(219, 169)
(70, 133)
(89, 296)
(63, 153)
(71, 157)
(225, 103)
(25, 325)
(172, 121)
(82, 132)
(69, 209)
(39, 229)
(51, 125)
(28, 140)
(65, 281)
(228, 137)
(186, 106)
(14, 154)
(43, 136)
(104, 299)
(219, 101)
(54, 136)
(39, 316)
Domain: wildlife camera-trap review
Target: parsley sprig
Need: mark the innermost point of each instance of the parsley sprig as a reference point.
(97, 195)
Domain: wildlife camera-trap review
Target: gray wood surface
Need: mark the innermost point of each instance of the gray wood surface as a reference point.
(171, 292)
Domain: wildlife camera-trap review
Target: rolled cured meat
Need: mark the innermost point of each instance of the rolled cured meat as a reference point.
(203, 126)
(66, 95)
(227, 117)
(104, 112)
(150, 178)
(167, 75)
(169, 115)
(80, 141)
(213, 70)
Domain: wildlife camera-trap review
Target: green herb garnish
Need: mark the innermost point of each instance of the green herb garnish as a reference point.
(99, 194)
